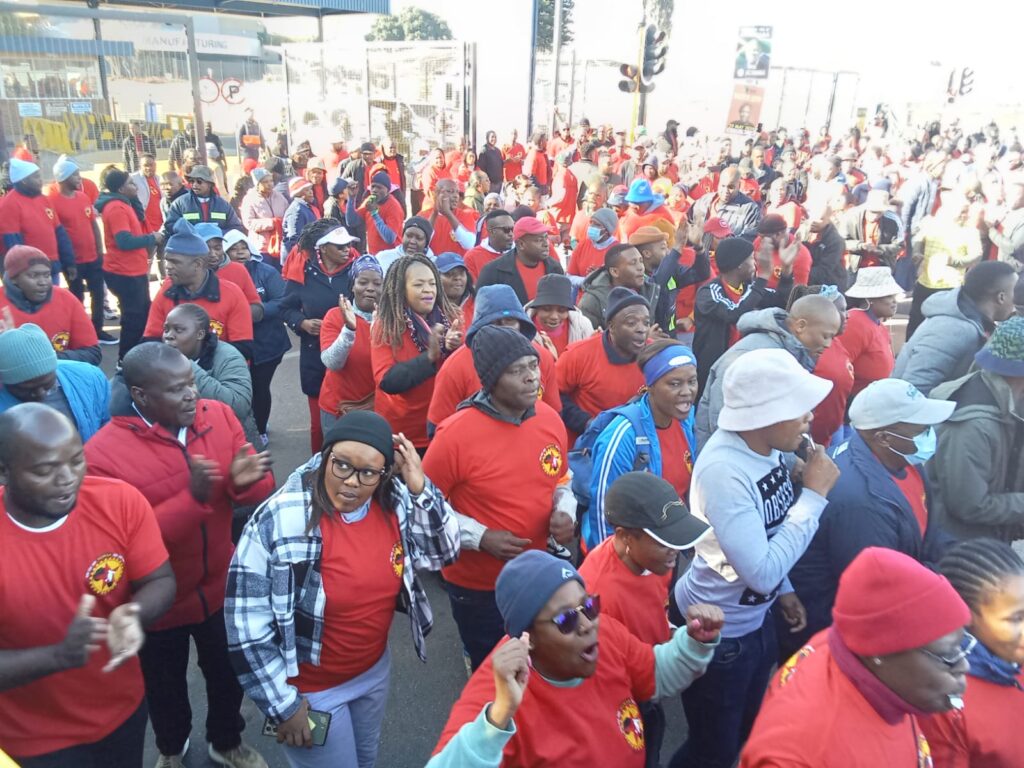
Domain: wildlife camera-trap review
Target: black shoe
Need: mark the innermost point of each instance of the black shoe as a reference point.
(106, 339)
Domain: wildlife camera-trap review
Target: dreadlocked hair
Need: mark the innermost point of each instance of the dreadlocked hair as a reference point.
(978, 567)
(391, 321)
(313, 232)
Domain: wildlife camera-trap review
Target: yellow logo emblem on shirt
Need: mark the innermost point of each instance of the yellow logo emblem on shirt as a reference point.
(398, 559)
(60, 341)
(217, 327)
(924, 752)
(789, 668)
(105, 573)
(551, 460)
(630, 724)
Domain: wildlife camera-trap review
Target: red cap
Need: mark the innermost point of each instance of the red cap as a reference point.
(888, 602)
(248, 165)
(21, 257)
(717, 227)
(528, 225)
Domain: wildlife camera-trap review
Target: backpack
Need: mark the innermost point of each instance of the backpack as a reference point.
(581, 457)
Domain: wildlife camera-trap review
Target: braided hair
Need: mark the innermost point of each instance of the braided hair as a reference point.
(978, 567)
(313, 232)
(391, 321)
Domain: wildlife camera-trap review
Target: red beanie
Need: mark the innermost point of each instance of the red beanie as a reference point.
(249, 165)
(888, 602)
(21, 257)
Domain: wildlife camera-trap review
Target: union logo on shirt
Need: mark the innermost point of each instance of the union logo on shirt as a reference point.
(105, 573)
(60, 341)
(551, 460)
(88, 211)
(217, 327)
(631, 725)
(398, 559)
(49, 213)
(789, 668)
(688, 459)
(924, 752)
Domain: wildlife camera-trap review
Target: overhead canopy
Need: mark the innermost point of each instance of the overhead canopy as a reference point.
(63, 46)
(265, 7)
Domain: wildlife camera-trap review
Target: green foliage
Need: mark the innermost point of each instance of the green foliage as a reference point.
(410, 24)
(659, 13)
(546, 23)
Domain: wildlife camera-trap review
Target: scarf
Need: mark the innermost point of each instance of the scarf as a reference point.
(420, 328)
(985, 665)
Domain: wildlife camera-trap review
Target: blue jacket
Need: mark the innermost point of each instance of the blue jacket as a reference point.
(270, 339)
(865, 509)
(298, 215)
(187, 207)
(614, 453)
(87, 391)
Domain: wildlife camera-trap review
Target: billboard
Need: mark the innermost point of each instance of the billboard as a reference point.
(753, 53)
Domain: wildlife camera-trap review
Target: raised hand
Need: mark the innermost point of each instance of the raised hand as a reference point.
(704, 622)
(408, 464)
(348, 313)
(247, 468)
(511, 663)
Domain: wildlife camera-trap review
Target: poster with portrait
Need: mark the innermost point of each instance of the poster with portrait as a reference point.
(753, 53)
(745, 109)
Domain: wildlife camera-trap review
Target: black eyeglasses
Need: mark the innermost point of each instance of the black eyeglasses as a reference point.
(567, 621)
(365, 475)
(957, 657)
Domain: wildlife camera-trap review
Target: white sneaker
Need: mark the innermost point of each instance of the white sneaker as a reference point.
(242, 756)
(173, 761)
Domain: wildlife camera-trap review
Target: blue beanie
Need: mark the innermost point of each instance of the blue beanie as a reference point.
(493, 302)
(19, 170)
(185, 241)
(525, 585)
(25, 353)
(381, 178)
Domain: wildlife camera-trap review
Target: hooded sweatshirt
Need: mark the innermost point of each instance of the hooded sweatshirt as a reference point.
(594, 300)
(943, 347)
(761, 329)
(979, 464)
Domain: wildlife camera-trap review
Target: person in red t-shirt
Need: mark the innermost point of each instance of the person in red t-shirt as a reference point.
(588, 256)
(499, 519)
(454, 224)
(514, 154)
(583, 707)
(774, 235)
(28, 218)
(68, 641)
(29, 296)
(345, 346)
(499, 225)
(416, 328)
(536, 163)
(632, 570)
(866, 337)
(380, 215)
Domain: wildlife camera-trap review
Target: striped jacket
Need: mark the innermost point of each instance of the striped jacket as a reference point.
(274, 609)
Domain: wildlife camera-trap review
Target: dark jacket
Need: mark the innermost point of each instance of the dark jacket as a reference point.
(503, 271)
(187, 207)
(851, 228)
(978, 467)
(491, 162)
(593, 302)
(269, 338)
(130, 155)
(827, 259)
(715, 314)
(310, 300)
(296, 218)
(865, 509)
(741, 214)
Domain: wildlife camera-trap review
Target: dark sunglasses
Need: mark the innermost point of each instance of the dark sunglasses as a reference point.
(567, 621)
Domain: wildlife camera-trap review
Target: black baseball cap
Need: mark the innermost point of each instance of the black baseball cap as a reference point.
(645, 501)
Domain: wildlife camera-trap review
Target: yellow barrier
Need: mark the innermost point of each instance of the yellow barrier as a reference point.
(6, 762)
(51, 135)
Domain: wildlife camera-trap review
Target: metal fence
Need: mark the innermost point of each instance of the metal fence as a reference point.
(810, 98)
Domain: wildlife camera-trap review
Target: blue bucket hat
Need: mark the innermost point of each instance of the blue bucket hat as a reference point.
(640, 192)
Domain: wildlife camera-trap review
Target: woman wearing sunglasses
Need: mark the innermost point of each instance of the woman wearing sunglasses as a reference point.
(989, 576)
(316, 578)
(854, 695)
(551, 694)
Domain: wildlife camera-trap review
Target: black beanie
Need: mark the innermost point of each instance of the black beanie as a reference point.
(363, 427)
(495, 348)
(731, 252)
(621, 297)
(115, 179)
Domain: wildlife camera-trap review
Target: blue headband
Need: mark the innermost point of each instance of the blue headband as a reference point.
(671, 357)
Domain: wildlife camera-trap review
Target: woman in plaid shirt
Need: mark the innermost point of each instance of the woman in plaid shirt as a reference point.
(316, 577)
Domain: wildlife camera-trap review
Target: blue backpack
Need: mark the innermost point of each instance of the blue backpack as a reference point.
(581, 457)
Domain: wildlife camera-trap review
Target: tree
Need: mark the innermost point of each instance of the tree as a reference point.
(546, 23)
(659, 13)
(411, 24)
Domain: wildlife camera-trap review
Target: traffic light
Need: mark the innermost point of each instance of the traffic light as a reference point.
(966, 81)
(631, 83)
(653, 57)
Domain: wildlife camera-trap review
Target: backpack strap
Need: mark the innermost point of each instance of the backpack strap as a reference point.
(642, 459)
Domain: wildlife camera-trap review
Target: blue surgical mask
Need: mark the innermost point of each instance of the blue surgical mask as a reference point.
(924, 445)
(594, 233)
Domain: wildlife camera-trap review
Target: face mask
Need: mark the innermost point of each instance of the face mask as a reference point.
(594, 233)
(924, 444)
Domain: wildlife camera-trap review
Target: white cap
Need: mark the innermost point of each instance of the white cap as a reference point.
(337, 236)
(886, 402)
(877, 201)
(768, 386)
(874, 283)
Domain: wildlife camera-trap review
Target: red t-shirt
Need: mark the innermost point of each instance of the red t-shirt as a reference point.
(870, 348)
(686, 298)
(530, 277)
(444, 236)
(912, 487)
(391, 211)
(586, 257)
(230, 317)
(734, 295)
(477, 258)
(792, 212)
(536, 165)
(354, 382)
(477, 482)
(34, 218)
(110, 538)
(595, 723)
(406, 411)
(633, 220)
(458, 380)
(154, 216)
(62, 318)
(77, 215)
(676, 459)
(834, 365)
(233, 272)
(514, 156)
(592, 381)
(118, 216)
(639, 602)
(801, 265)
(559, 336)
(361, 566)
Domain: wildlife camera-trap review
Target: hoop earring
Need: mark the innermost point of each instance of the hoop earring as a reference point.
(876, 661)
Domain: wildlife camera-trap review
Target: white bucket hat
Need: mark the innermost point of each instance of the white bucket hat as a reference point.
(874, 283)
(765, 387)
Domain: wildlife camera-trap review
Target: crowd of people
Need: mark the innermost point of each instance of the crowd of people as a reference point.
(635, 401)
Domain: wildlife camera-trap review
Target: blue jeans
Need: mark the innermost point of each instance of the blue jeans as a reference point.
(721, 705)
(478, 619)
